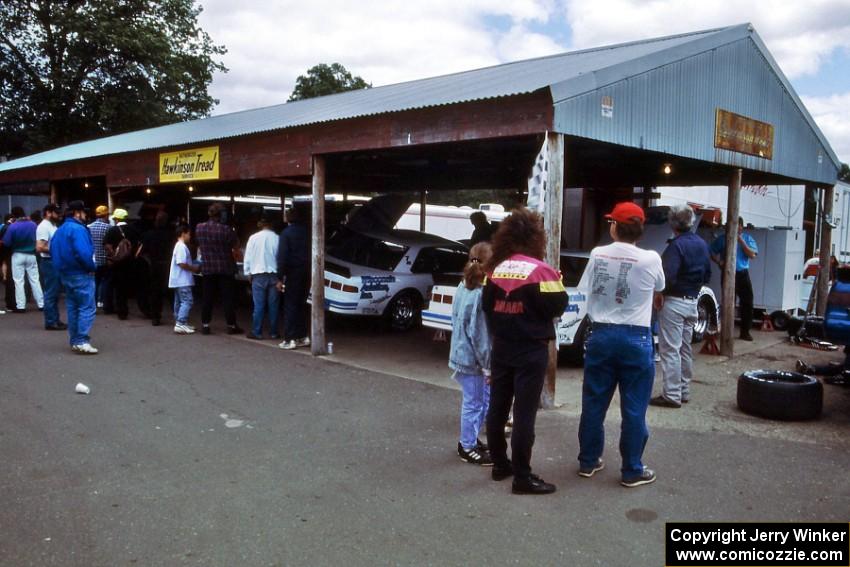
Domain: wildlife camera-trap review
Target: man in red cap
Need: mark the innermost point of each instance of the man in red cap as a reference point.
(620, 282)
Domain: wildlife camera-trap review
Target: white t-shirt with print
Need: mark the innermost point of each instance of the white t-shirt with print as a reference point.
(177, 276)
(619, 283)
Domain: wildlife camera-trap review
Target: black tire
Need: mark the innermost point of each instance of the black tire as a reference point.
(814, 327)
(404, 311)
(574, 354)
(706, 315)
(780, 320)
(777, 394)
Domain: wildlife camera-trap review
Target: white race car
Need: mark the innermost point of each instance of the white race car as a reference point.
(387, 273)
(572, 327)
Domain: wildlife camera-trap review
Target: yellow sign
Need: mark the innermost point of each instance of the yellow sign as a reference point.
(741, 134)
(189, 165)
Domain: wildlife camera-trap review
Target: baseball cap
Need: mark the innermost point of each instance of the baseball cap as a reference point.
(76, 206)
(101, 211)
(120, 214)
(625, 213)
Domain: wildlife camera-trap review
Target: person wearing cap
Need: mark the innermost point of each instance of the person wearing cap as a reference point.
(620, 282)
(20, 239)
(122, 269)
(687, 267)
(521, 297)
(44, 234)
(746, 250)
(72, 252)
(260, 265)
(103, 274)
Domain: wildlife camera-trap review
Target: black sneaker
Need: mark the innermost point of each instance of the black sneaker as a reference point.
(234, 330)
(501, 472)
(646, 477)
(482, 446)
(532, 485)
(474, 456)
(60, 326)
(662, 402)
(205, 330)
(588, 472)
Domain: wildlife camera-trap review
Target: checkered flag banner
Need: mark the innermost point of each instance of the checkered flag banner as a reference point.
(538, 179)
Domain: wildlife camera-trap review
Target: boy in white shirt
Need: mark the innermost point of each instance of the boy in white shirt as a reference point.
(181, 280)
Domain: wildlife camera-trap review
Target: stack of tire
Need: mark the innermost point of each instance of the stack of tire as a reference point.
(777, 394)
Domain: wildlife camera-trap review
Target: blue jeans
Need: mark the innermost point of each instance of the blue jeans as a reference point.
(79, 299)
(266, 300)
(182, 304)
(616, 356)
(51, 291)
(473, 408)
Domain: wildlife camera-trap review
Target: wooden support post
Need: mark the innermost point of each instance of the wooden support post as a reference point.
(553, 213)
(54, 194)
(727, 316)
(110, 202)
(318, 340)
(423, 205)
(825, 249)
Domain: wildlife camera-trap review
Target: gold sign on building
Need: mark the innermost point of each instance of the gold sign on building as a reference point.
(741, 134)
(189, 165)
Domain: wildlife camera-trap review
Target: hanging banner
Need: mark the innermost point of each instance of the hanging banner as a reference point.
(189, 165)
(538, 179)
(741, 134)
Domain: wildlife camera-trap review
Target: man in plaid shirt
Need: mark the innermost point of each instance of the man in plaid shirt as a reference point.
(217, 244)
(102, 277)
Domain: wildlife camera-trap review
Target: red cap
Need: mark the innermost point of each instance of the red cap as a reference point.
(625, 212)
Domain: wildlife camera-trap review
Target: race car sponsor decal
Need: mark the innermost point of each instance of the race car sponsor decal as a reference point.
(376, 283)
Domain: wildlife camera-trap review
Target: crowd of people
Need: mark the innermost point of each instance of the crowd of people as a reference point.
(101, 264)
(503, 320)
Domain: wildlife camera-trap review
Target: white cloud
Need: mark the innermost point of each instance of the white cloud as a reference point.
(832, 114)
(800, 35)
(271, 43)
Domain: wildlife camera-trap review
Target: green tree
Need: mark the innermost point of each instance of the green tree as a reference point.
(844, 173)
(325, 79)
(79, 69)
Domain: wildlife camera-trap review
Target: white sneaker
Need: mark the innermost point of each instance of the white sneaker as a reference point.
(84, 348)
(302, 342)
(190, 327)
(288, 345)
(183, 329)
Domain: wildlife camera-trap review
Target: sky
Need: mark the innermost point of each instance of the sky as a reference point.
(270, 43)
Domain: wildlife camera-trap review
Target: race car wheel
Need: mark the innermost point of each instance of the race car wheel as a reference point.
(404, 311)
(778, 394)
(706, 311)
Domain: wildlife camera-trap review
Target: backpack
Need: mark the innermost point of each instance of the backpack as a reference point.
(120, 253)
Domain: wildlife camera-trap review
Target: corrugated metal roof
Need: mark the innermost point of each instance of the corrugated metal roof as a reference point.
(492, 82)
(568, 75)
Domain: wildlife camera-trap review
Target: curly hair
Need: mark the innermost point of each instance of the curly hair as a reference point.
(473, 272)
(520, 233)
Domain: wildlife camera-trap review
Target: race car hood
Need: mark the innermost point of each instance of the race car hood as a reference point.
(380, 213)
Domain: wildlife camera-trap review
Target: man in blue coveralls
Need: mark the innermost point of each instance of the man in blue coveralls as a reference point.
(747, 250)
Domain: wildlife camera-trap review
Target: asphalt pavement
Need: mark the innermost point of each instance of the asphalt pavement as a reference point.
(221, 451)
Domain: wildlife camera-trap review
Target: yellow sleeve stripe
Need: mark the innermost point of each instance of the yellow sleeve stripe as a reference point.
(552, 287)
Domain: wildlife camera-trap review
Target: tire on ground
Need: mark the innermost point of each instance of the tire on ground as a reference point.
(778, 394)
(780, 320)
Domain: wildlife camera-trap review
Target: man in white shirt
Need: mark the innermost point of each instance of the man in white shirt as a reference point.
(43, 234)
(621, 282)
(260, 265)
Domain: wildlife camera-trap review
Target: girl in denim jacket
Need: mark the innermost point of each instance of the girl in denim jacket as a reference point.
(470, 356)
